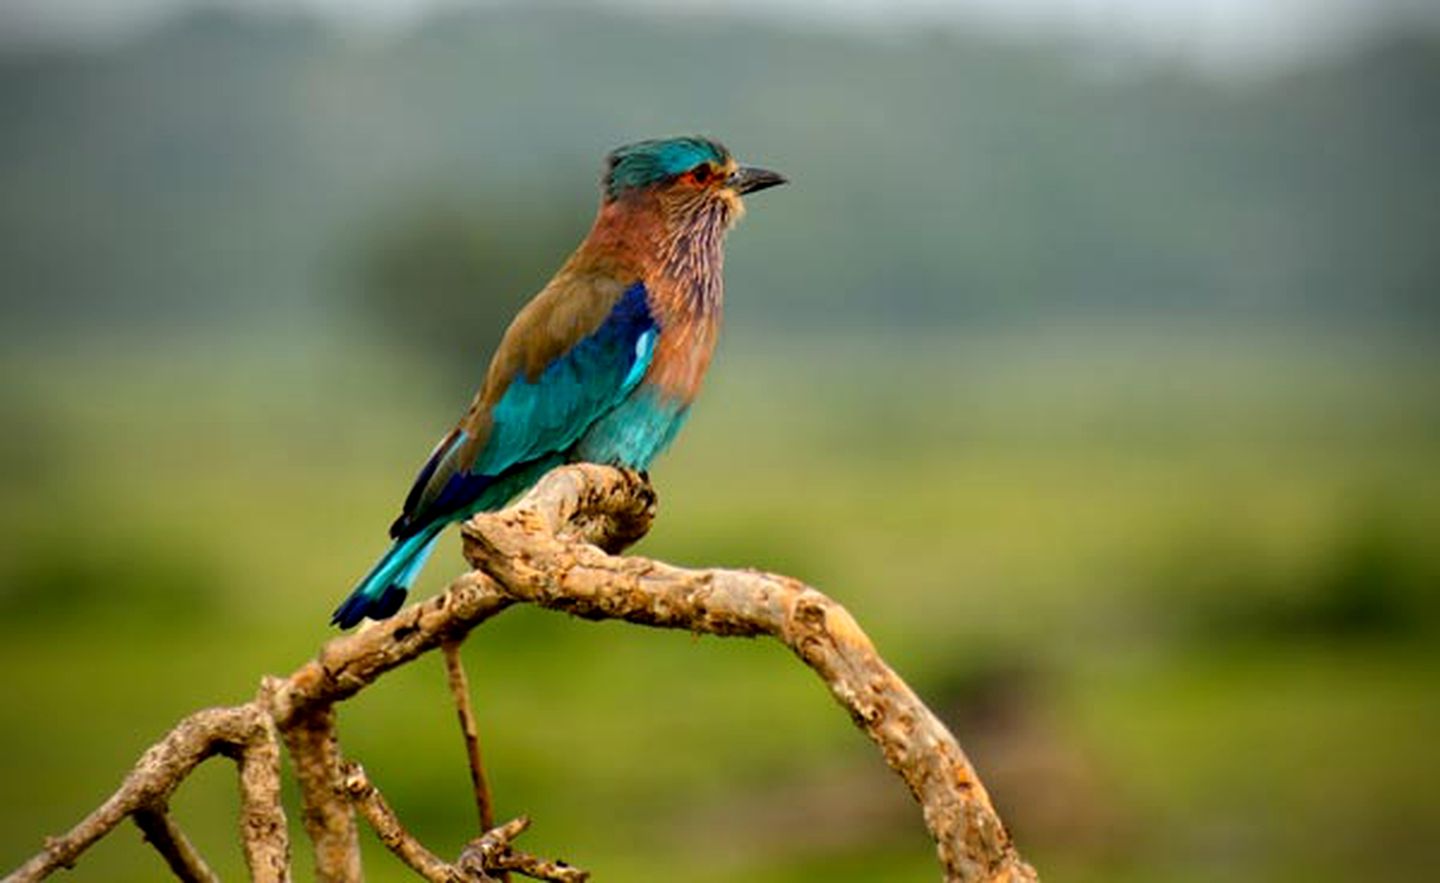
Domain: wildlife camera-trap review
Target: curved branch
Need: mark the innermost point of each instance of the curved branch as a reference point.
(611, 516)
(536, 553)
(154, 778)
(547, 550)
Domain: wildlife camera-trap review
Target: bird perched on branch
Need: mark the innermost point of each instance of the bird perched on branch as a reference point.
(601, 366)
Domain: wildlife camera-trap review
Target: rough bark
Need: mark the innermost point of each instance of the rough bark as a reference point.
(153, 779)
(329, 817)
(263, 832)
(392, 833)
(554, 549)
(533, 551)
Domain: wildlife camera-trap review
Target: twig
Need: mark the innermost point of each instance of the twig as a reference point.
(179, 853)
(387, 827)
(329, 817)
(495, 850)
(541, 868)
(460, 688)
(491, 851)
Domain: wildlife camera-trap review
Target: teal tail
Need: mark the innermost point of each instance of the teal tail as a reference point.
(383, 589)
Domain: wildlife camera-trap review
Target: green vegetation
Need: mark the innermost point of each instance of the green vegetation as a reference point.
(1175, 592)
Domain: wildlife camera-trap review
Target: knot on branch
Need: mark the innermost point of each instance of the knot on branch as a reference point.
(604, 506)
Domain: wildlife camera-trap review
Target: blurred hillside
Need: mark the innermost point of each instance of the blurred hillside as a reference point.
(247, 167)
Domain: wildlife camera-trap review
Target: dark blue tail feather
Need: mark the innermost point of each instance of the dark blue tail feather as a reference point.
(381, 593)
(358, 606)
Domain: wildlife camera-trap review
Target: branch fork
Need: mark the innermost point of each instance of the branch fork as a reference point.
(555, 548)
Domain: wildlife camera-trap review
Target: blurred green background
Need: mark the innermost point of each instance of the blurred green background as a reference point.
(1096, 376)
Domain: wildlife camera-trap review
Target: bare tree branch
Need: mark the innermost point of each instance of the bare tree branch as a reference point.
(264, 834)
(179, 853)
(528, 550)
(392, 834)
(329, 817)
(547, 550)
(490, 852)
(345, 665)
(154, 778)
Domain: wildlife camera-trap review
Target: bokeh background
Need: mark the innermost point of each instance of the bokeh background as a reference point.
(1090, 359)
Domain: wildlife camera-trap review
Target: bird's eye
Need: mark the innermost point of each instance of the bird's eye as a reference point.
(702, 174)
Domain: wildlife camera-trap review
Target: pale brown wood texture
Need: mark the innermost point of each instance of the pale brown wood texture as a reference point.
(555, 548)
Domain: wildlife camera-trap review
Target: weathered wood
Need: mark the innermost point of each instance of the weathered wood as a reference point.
(553, 548)
(264, 835)
(150, 783)
(329, 816)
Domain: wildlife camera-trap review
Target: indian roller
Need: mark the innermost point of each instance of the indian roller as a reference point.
(601, 366)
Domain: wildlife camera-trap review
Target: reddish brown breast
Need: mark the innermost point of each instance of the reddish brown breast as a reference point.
(686, 289)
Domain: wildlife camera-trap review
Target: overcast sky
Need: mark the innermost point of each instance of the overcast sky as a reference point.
(1217, 33)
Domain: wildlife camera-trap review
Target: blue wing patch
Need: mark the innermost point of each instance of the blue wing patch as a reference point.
(539, 419)
(548, 415)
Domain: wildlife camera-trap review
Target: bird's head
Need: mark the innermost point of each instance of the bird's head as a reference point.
(685, 174)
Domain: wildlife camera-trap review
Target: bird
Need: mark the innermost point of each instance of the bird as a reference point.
(601, 366)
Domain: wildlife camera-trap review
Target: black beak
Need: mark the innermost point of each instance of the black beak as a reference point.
(748, 179)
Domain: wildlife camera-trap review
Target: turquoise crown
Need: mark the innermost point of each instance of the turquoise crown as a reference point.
(650, 162)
